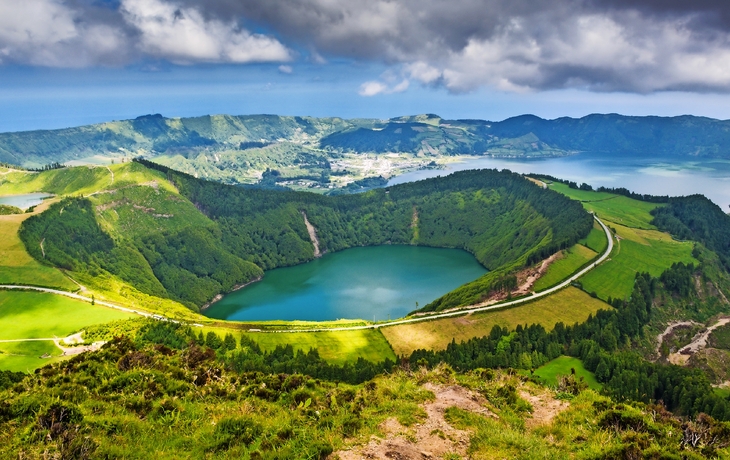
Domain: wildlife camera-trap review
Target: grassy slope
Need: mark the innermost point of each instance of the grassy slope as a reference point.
(562, 366)
(640, 247)
(596, 239)
(17, 266)
(335, 347)
(573, 258)
(569, 305)
(637, 251)
(26, 315)
(614, 208)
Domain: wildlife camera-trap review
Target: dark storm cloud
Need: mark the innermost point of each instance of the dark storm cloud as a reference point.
(514, 45)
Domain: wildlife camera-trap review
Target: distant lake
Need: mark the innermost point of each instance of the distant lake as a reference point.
(24, 201)
(655, 176)
(372, 283)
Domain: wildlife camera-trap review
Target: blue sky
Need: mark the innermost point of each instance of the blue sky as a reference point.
(71, 62)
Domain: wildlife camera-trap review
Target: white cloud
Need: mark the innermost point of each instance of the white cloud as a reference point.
(185, 36)
(287, 69)
(374, 87)
(49, 33)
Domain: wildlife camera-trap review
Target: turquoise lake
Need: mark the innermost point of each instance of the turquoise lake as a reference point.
(23, 201)
(372, 283)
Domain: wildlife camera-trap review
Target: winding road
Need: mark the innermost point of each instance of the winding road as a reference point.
(459, 312)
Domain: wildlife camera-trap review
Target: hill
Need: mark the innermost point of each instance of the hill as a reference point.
(171, 235)
(324, 153)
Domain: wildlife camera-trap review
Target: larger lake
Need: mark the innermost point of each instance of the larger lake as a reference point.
(373, 283)
(650, 175)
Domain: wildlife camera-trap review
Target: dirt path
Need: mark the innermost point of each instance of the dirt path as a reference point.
(112, 173)
(312, 235)
(699, 342)
(433, 438)
(668, 330)
(544, 407)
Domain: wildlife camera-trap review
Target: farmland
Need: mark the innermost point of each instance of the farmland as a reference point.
(569, 306)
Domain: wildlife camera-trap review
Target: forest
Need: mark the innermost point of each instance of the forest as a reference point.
(504, 220)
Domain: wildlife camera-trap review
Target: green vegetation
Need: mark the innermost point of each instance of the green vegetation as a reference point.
(614, 208)
(159, 393)
(566, 365)
(699, 219)
(567, 306)
(31, 315)
(334, 347)
(27, 356)
(7, 209)
(570, 261)
(596, 239)
(17, 266)
(637, 251)
(61, 316)
(158, 241)
(598, 344)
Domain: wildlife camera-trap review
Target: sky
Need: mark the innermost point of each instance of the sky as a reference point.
(72, 62)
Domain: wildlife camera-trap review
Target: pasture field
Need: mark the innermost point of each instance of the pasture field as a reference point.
(337, 347)
(614, 208)
(31, 315)
(562, 365)
(80, 181)
(570, 305)
(17, 266)
(572, 259)
(636, 251)
(596, 239)
(27, 356)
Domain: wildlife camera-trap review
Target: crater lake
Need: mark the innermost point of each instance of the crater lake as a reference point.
(371, 283)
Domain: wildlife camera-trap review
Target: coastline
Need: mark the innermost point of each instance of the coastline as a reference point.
(235, 288)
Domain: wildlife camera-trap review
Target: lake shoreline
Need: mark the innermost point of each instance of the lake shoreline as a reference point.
(235, 288)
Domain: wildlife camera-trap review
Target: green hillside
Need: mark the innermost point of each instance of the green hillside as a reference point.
(171, 235)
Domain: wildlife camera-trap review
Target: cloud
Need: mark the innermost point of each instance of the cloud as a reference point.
(513, 45)
(49, 33)
(286, 69)
(185, 36)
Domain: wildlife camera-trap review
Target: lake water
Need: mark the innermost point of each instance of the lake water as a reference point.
(654, 176)
(373, 283)
(24, 201)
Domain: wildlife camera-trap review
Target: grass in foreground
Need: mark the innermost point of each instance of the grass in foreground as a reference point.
(572, 259)
(564, 365)
(570, 305)
(637, 251)
(17, 266)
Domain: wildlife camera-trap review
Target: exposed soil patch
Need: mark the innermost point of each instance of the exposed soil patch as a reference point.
(526, 278)
(699, 342)
(544, 407)
(433, 438)
(312, 235)
(75, 349)
(671, 331)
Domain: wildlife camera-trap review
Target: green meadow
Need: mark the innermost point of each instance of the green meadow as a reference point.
(636, 251)
(17, 266)
(596, 239)
(564, 365)
(614, 208)
(337, 347)
(571, 260)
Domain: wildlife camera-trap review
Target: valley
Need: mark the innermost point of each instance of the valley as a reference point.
(565, 291)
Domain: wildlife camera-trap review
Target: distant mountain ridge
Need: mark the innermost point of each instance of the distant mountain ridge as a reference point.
(427, 135)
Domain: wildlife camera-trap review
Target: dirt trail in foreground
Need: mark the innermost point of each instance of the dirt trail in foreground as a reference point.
(433, 438)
